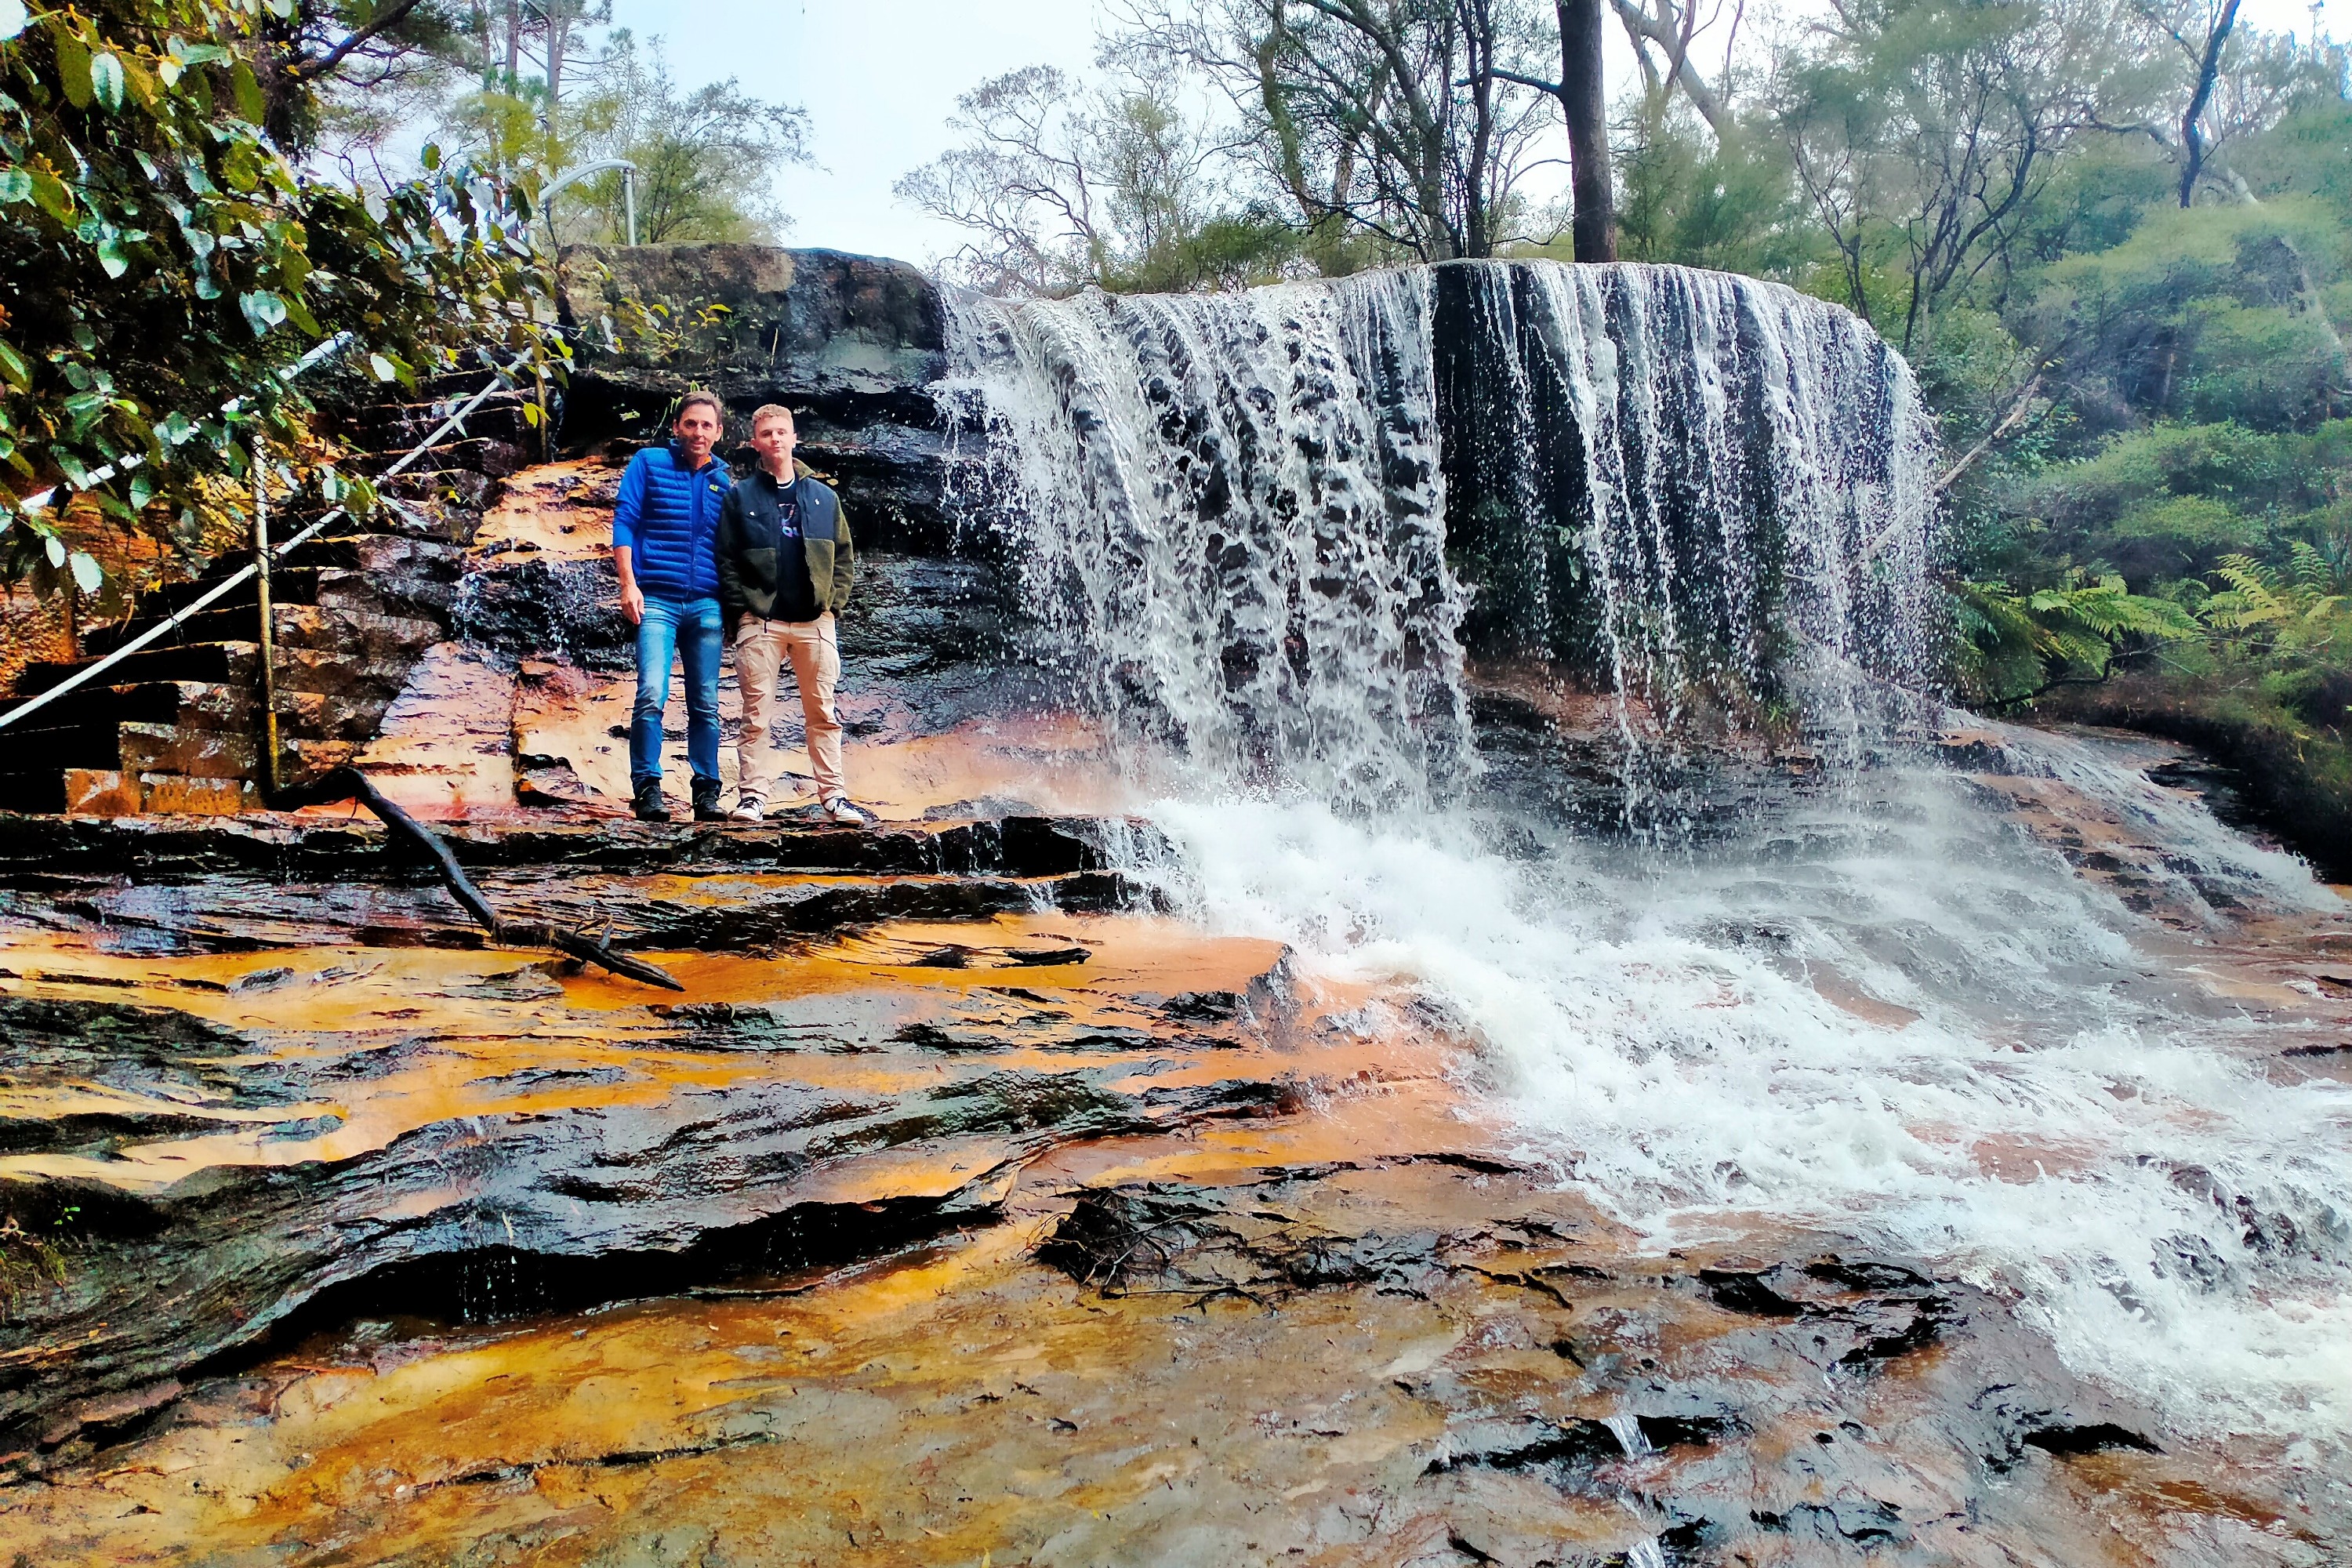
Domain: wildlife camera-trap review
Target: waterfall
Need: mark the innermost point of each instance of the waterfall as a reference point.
(1260, 529)
(1228, 512)
(1705, 489)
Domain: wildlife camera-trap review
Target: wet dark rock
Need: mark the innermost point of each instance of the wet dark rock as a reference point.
(38, 846)
(2089, 1438)
(2018, 1417)
(1744, 1291)
(560, 609)
(1866, 1524)
(1152, 1237)
(400, 907)
(1519, 1445)
(1729, 1436)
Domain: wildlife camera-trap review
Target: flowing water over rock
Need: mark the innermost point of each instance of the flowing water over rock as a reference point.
(1260, 528)
(1229, 514)
(1546, 1046)
(1862, 1002)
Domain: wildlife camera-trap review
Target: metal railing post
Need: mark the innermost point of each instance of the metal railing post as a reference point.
(268, 627)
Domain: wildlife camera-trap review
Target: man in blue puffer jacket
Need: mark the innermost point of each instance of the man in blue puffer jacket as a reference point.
(664, 526)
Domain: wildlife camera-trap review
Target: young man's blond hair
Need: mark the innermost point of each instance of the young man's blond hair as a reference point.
(767, 411)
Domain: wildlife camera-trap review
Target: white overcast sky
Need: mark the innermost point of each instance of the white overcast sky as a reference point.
(879, 79)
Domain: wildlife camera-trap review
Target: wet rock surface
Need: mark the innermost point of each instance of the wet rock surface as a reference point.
(478, 1133)
(1383, 1358)
(963, 1205)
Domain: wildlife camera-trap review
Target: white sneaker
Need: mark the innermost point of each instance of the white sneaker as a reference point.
(842, 809)
(751, 808)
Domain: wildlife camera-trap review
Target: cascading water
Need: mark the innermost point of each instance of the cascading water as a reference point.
(1272, 530)
(1230, 518)
(1241, 517)
(1702, 489)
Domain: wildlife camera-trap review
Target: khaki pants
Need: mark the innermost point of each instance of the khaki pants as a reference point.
(761, 649)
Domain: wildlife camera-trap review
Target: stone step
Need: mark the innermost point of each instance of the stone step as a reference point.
(156, 603)
(340, 625)
(77, 741)
(348, 623)
(481, 455)
(122, 792)
(292, 586)
(450, 502)
(204, 753)
(41, 790)
(403, 577)
(1020, 847)
(216, 663)
(726, 913)
(397, 426)
(147, 702)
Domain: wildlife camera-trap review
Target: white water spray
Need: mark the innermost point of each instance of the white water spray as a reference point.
(1899, 1021)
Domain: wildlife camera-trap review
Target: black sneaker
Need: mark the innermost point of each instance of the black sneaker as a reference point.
(706, 801)
(648, 803)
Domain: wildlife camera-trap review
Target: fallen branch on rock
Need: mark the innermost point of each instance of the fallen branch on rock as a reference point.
(350, 783)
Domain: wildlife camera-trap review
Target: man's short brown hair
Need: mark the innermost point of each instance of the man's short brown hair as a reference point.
(773, 411)
(717, 409)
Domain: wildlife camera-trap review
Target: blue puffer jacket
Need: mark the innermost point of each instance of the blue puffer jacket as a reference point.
(666, 518)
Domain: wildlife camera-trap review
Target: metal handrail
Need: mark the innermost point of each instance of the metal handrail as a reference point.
(40, 500)
(602, 166)
(82, 678)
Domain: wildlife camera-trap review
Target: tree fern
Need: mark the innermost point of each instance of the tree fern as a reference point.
(2015, 644)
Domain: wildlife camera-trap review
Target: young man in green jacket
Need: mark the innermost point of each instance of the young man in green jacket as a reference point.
(785, 569)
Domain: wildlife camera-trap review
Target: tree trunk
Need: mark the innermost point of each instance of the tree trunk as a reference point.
(2192, 129)
(1582, 95)
(514, 44)
(559, 39)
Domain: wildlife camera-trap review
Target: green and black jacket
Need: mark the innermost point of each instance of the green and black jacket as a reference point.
(749, 545)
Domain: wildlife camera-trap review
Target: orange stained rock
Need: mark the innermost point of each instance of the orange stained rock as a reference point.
(493, 1017)
(554, 510)
(444, 750)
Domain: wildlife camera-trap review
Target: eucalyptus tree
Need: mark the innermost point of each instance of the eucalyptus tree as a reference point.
(1122, 185)
(1922, 134)
(706, 156)
(1405, 127)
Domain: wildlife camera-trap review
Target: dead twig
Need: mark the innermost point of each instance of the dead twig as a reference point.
(350, 783)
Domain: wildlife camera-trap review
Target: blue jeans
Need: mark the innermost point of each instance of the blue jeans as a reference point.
(671, 628)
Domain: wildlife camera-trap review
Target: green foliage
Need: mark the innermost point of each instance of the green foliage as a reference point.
(2207, 313)
(706, 158)
(2292, 623)
(160, 256)
(1693, 198)
(2170, 499)
(2015, 646)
